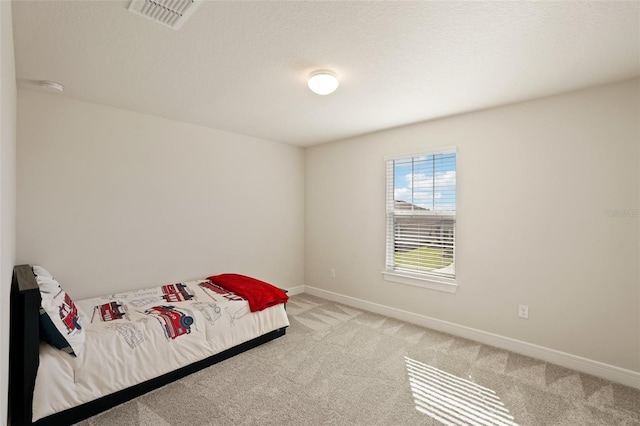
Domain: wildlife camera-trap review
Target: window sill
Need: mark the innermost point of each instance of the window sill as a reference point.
(447, 285)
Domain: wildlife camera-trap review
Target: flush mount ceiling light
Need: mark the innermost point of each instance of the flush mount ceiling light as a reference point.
(51, 86)
(323, 82)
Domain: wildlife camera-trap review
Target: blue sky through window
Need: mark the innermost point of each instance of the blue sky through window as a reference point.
(427, 181)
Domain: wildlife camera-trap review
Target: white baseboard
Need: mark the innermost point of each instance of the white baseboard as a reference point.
(574, 362)
(295, 290)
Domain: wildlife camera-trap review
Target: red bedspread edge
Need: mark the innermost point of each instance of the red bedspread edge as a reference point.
(259, 294)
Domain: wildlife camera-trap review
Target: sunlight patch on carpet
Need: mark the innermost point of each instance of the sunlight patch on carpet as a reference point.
(453, 400)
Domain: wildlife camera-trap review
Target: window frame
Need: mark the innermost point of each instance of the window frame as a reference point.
(406, 277)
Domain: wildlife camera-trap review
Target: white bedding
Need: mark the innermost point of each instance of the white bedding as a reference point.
(128, 341)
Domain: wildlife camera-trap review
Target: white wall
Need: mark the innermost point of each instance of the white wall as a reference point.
(111, 200)
(7, 191)
(534, 180)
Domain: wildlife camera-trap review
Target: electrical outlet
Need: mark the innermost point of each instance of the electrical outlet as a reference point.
(523, 311)
(333, 273)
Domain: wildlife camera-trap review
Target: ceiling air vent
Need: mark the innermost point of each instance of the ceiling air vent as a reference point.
(171, 13)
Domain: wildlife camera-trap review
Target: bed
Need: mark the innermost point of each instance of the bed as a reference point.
(133, 342)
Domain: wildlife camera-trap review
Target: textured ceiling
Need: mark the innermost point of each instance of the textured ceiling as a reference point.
(242, 66)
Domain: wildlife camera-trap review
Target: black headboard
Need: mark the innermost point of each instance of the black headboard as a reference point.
(24, 343)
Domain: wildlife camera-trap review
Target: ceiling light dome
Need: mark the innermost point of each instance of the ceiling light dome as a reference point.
(323, 82)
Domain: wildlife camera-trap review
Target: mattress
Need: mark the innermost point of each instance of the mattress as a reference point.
(135, 336)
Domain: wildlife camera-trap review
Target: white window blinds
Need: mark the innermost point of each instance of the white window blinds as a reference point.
(421, 215)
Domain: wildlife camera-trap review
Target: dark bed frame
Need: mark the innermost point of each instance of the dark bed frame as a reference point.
(24, 359)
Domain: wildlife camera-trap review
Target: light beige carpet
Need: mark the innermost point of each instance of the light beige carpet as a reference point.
(342, 366)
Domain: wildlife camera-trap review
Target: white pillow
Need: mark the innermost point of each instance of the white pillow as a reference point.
(59, 321)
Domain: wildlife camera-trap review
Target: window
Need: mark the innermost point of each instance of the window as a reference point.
(421, 220)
